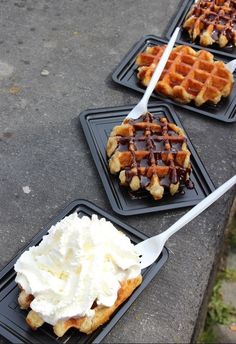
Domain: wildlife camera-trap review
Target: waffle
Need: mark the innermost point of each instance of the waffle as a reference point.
(212, 21)
(149, 153)
(188, 75)
(83, 324)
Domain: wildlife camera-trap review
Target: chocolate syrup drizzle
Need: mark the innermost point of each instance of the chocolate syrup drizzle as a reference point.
(159, 146)
(223, 20)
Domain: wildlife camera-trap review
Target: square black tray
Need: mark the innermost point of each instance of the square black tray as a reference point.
(125, 74)
(12, 319)
(183, 37)
(97, 125)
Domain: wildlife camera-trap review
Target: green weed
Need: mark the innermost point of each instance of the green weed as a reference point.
(228, 275)
(218, 311)
(208, 336)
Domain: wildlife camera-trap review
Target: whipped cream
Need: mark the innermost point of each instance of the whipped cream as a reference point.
(79, 261)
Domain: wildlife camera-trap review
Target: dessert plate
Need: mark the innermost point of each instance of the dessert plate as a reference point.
(97, 125)
(125, 74)
(178, 20)
(12, 319)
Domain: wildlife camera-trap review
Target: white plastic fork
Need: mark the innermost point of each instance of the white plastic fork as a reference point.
(150, 249)
(231, 65)
(141, 107)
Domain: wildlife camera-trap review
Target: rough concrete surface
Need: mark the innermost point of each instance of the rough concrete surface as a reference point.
(46, 163)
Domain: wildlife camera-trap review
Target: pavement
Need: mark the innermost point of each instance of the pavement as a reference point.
(56, 60)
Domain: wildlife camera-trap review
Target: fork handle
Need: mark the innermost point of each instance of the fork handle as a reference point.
(231, 65)
(200, 207)
(161, 65)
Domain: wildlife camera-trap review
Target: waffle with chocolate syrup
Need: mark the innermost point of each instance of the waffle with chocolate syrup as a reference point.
(149, 153)
(212, 21)
(189, 75)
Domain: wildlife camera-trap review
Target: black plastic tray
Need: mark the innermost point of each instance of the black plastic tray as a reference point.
(183, 37)
(125, 74)
(97, 125)
(12, 319)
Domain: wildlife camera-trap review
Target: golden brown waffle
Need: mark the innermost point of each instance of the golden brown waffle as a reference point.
(83, 324)
(149, 153)
(212, 21)
(188, 75)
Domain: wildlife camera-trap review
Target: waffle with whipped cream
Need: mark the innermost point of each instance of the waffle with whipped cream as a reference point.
(84, 324)
(79, 274)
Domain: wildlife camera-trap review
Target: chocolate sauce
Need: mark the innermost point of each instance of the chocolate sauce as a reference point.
(233, 4)
(165, 182)
(229, 35)
(159, 146)
(210, 17)
(222, 21)
(141, 145)
(154, 152)
(189, 184)
(124, 140)
(173, 176)
(144, 181)
(215, 35)
(140, 194)
(160, 162)
(144, 162)
(128, 176)
(181, 191)
(123, 147)
(94, 305)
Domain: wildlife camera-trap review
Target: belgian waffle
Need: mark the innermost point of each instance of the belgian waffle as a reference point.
(83, 324)
(149, 153)
(188, 75)
(213, 21)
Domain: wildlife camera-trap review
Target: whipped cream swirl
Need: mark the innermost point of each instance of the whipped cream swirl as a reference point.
(79, 261)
